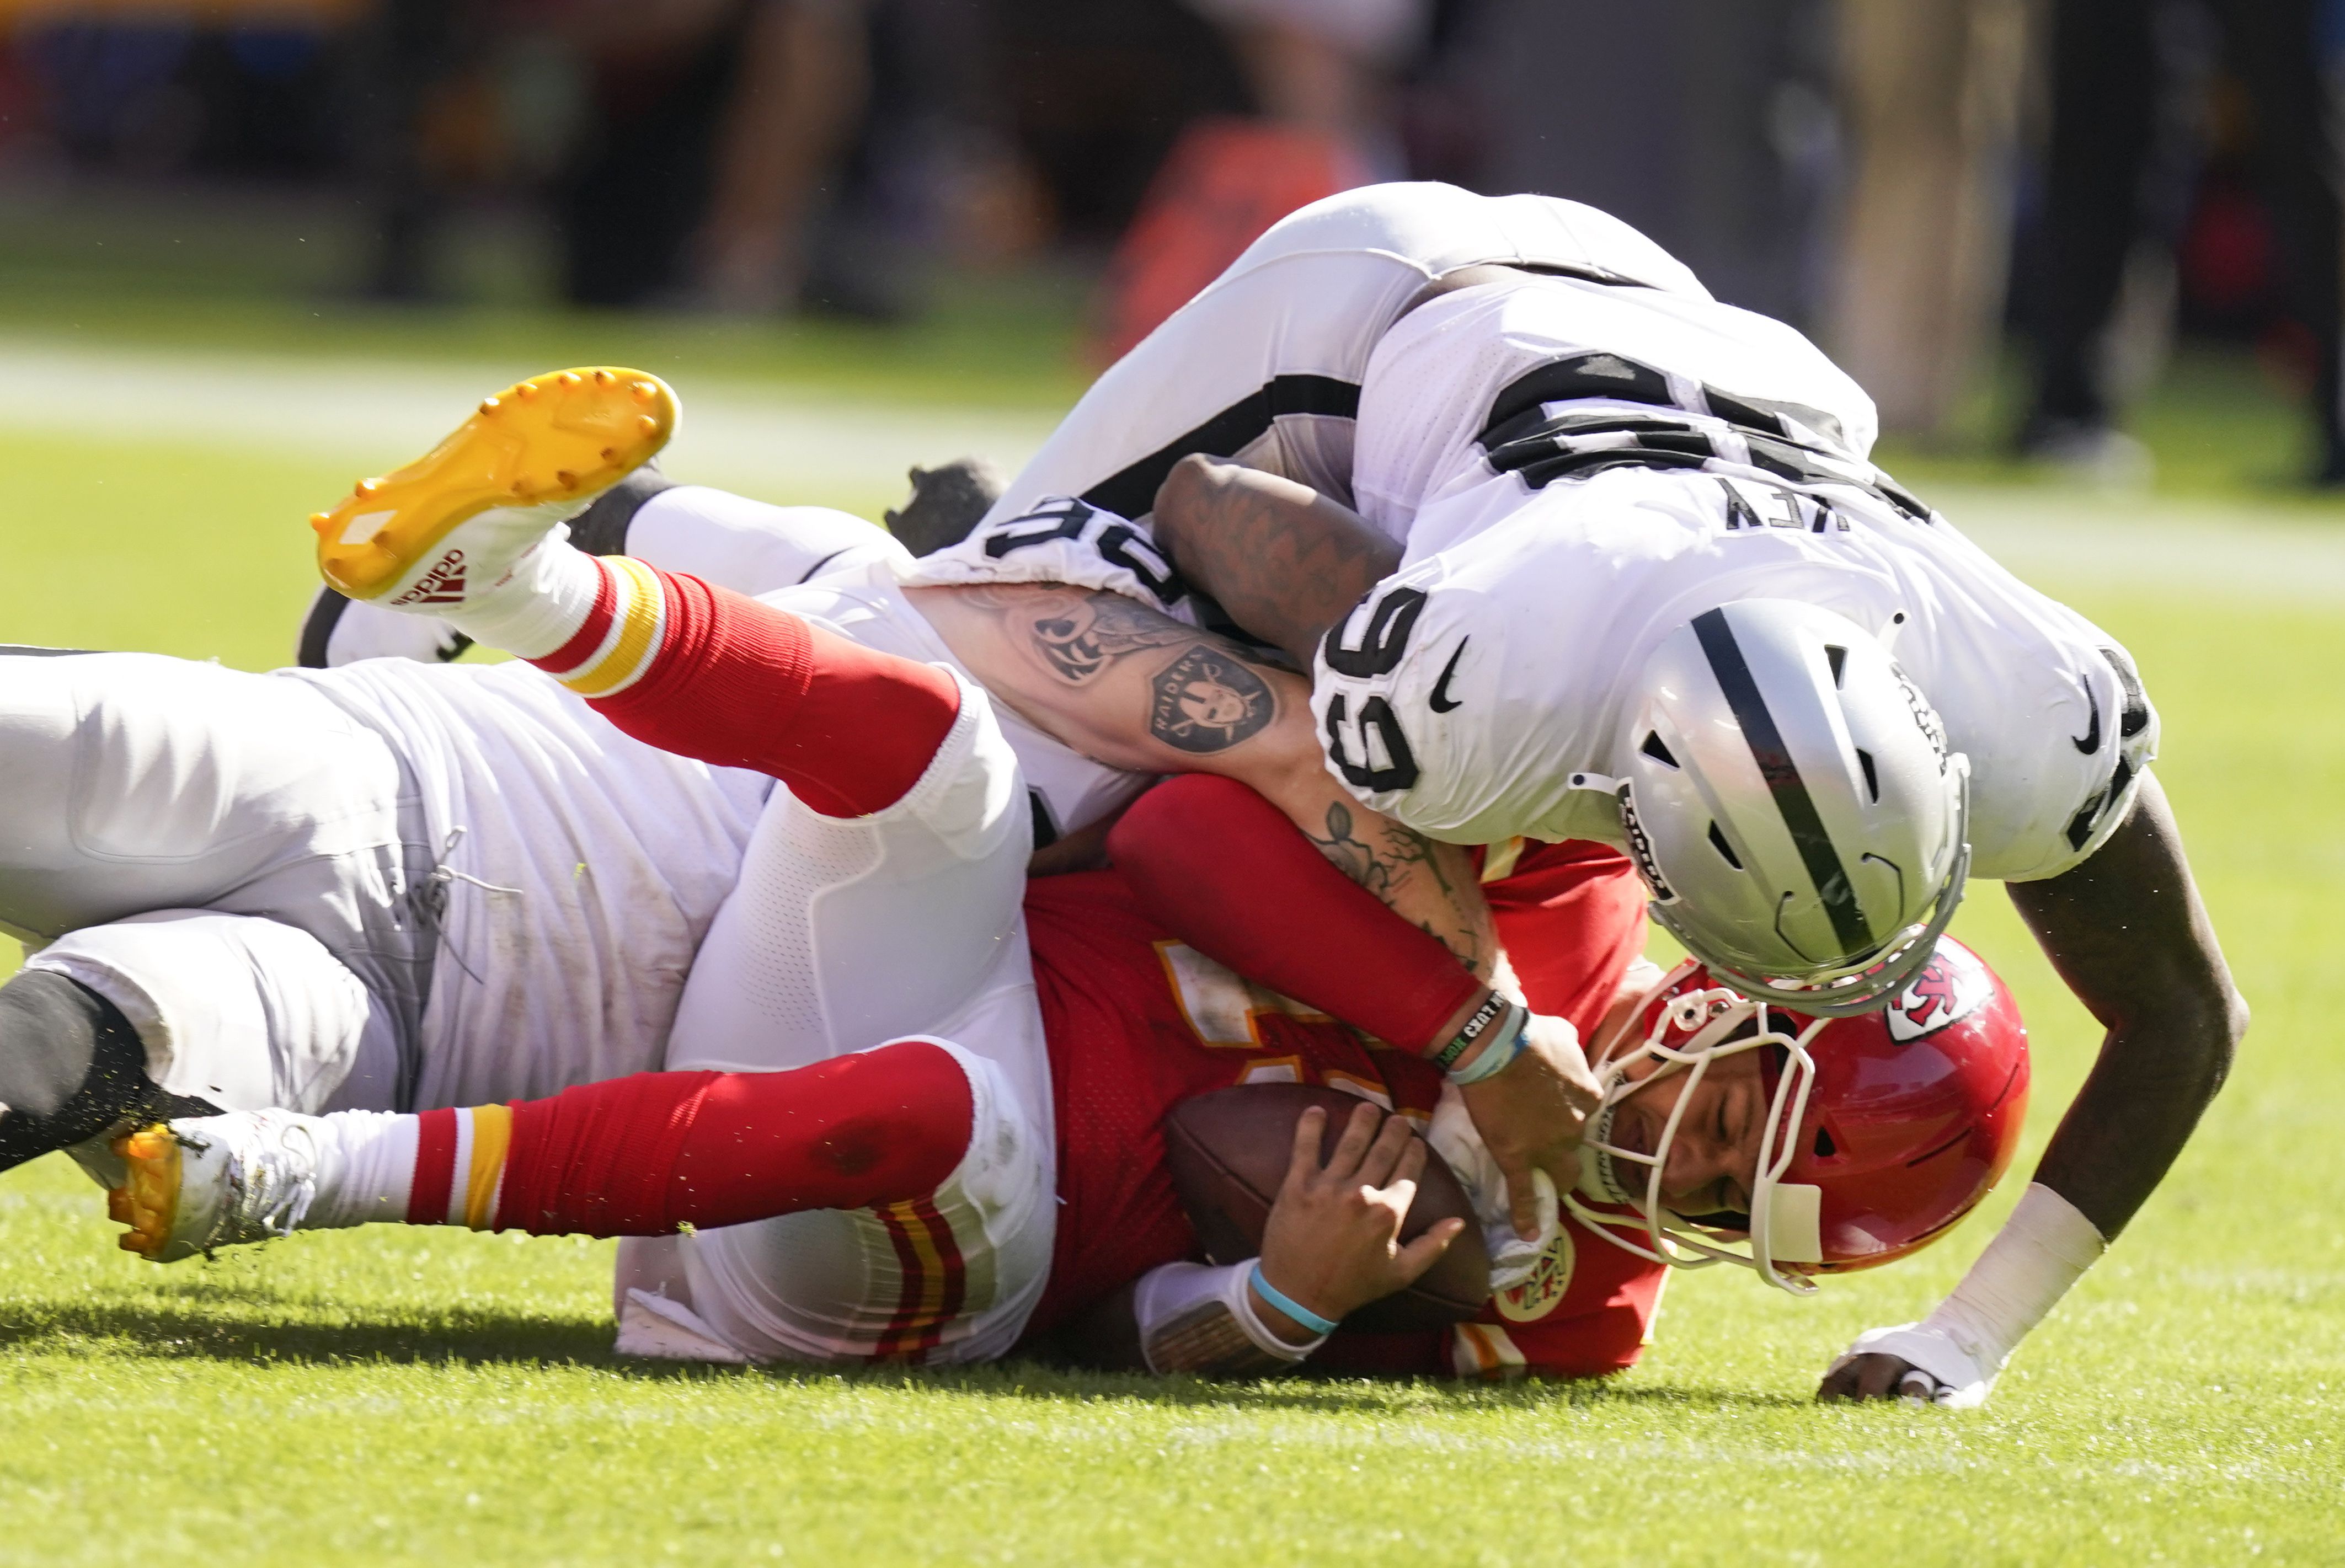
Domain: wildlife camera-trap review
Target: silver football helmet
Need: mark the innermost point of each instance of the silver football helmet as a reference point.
(1788, 794)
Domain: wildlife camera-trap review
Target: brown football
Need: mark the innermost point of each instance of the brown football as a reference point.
(1227, 1152)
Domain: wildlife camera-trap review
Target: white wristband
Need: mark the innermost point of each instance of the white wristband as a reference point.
(2042, 1250)
(1240, 1296)
(1170, 1296)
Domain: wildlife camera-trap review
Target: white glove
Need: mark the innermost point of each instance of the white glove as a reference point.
(2042, 1250)
(1946, 1373)
(1512, 1260)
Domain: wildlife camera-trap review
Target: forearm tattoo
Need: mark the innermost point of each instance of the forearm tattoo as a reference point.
(1385, 865)
(1088, 635)
(1207, 700)
(1282, 568)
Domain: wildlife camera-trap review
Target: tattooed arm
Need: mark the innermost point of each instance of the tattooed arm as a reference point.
(1285, 562)
(1134, 689)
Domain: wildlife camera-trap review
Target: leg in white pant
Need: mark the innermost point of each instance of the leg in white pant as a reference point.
(748, 546)
(844, 933)
(240, 1012)
(282, 833)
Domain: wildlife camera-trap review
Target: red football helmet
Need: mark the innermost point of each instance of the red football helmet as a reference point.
(1883, 1129)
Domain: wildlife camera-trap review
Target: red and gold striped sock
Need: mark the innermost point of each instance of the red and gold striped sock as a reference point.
(460, 1166)
(619, 634)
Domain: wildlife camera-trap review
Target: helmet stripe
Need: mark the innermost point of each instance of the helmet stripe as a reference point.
(1817, 850)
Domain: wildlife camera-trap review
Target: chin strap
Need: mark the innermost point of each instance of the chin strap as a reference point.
(1961, 1348)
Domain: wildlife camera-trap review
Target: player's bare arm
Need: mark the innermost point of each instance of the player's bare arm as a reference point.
(1134, 689)
(2128, 934)
(1284, 560)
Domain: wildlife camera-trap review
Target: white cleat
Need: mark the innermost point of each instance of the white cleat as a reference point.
(204, 1182)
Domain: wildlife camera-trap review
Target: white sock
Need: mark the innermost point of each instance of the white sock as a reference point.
(540, 606)
(366, 1168)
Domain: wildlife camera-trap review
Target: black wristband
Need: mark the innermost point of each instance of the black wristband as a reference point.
(1492, 1009)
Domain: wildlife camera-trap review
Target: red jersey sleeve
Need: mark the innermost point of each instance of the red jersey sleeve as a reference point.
(1224, 870)
(1571, 917)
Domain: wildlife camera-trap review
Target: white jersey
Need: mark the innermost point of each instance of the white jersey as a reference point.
(1576, 471)
(579, 871)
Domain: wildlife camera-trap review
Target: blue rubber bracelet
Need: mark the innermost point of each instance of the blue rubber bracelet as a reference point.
(1288, 1305)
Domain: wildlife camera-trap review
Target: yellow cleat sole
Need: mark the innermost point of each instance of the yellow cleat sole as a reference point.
(148, 1199)
(567, 435)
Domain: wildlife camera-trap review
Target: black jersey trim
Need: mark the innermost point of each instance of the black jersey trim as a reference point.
(1817, 852)
(808, 574)
(27, 650)
(1132, 491)
(1611, 376)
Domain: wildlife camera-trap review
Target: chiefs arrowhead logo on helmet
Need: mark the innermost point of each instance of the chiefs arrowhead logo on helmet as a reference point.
(1953, 986)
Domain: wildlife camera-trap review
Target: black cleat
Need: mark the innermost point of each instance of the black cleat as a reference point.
(948, 502)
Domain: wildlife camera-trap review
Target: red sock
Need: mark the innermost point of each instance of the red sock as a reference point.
(640, 1156)
(1225, 871)
(742, 684)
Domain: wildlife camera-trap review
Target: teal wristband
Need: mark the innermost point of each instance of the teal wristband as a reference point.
(1323, 1327)
(1500, 1053)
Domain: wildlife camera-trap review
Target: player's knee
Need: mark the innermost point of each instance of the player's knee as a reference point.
(238, 1011)
(54, 1033)
(922, 1095)
(71, 1067)
(1003, 1171)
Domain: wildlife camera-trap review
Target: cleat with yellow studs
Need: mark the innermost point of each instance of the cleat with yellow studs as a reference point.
(534, 455)
(200, 1183)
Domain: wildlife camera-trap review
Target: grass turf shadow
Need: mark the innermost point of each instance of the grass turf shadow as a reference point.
(460, 1336)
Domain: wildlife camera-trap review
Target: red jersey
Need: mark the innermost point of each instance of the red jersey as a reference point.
(1137, 1022)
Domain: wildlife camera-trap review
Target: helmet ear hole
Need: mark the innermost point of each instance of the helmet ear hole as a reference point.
(1837, 658)
(1718, 842)
(1655, 749)
(1825, 1147)
(1871, 776)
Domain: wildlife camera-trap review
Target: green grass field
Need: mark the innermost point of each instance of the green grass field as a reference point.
(431, 1397)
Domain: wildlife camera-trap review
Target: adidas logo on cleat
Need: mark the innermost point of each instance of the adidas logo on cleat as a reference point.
(443, 584)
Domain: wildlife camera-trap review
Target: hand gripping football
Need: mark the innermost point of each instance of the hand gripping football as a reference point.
(1227, 1152)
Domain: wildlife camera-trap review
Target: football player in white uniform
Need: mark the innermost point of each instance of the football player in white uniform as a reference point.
(1574, 551)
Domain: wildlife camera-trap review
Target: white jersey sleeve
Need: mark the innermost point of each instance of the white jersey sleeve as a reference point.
(1462, 693)
(1060, 539)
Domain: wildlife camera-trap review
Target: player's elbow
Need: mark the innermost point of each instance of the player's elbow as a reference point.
(1191, 480)
(2205, 1027)
(2230, 1030)
(1188, 490)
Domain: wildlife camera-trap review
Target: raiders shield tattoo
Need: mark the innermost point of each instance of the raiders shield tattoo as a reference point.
(1206, 701)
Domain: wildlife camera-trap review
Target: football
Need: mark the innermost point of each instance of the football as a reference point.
(1228, 1151)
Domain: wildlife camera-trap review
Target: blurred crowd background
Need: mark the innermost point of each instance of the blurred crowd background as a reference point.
(1946, 193)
